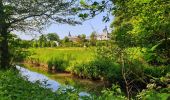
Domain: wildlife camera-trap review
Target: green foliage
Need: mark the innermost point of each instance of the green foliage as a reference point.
(101, 67)
(53, 37)
(17, 46)
(98, 68)
(144, 23)
(93, 39)
(102, 43)
(66, 39)
(58, 63)
(115, 92)
(35, 44)
(157, 56)
(157, 71)
(68, 56)
(53, 44)
(13, 86)
(157, 89)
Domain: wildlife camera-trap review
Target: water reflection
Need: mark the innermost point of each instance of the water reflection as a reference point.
(34, 76)
(44, 80)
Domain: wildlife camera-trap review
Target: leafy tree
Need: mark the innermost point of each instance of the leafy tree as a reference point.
(83, 37)
(66, 39)
(35, 44)
(24, 15)
(93, 39)
(143, 23)
(79, 39)
(53, 37)
(42, 40)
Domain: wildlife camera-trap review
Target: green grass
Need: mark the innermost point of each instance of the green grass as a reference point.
(14, 87)
(69, 56)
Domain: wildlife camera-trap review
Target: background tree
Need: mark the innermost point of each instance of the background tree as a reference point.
(66, 39)
(24, 15)
(83, 37)
(53, 37)
(79, 39)
(93, 39)
(42, 40)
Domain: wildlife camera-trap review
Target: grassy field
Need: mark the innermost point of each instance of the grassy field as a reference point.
(63, 57)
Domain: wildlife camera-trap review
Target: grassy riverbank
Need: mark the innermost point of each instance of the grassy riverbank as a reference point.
(14, 87)
(130, 69)
(71, 80)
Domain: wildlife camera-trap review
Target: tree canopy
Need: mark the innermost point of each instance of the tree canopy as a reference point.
(53, 37)
(34, 15)
(137, 23)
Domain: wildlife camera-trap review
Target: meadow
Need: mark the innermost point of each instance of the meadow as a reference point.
(62, 58)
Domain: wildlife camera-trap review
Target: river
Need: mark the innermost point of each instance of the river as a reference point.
(54, 81)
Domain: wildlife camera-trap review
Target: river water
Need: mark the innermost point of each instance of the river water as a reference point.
(55, 81)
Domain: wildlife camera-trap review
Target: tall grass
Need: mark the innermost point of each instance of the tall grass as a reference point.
(63, 59)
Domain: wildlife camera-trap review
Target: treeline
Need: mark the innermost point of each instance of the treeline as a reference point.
(53, 40)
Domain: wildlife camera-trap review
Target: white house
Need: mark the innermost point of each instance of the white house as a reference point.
(104, 35)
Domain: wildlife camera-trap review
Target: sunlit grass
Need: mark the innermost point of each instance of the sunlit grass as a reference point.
(73, 55)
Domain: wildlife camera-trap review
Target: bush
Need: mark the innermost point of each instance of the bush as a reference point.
(35, 45)
(53, 44)
(99, 68)
(114, 92)
(58, 63)
(157, 71)
(158, 89)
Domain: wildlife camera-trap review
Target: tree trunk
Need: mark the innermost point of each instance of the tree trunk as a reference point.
(4, 56)
(5, 59)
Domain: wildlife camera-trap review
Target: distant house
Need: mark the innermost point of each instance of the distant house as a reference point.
(103, 36)
(72, 38)
(57, 43)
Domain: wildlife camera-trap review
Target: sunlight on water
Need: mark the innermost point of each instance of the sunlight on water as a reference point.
(44, 80)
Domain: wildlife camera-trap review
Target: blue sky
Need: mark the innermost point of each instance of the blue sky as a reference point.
(63, 29)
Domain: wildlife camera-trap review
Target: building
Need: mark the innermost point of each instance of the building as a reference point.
(103, 36)
(57, 43)
(72, 38)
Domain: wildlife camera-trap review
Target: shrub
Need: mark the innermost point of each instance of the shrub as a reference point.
(99, 68)
(114, 92)
(157, 71)
(158, 89)
(60, 64)
(35, 45)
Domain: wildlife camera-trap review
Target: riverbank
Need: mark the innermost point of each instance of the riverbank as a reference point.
(59, 59)
(106, 67)
(66, 78)
(15, 87)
